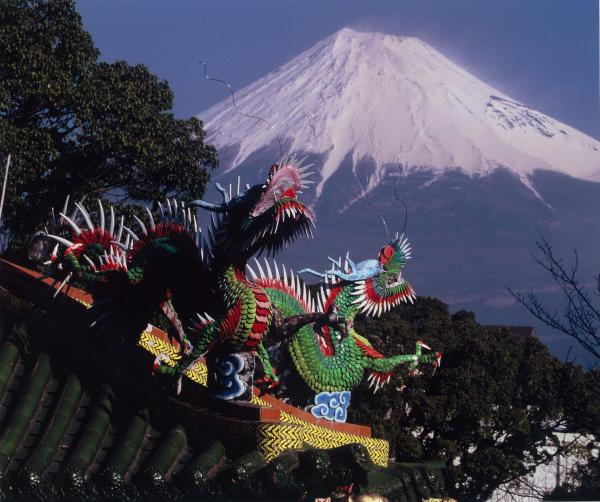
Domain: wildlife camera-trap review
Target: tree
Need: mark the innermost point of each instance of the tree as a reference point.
(583, 482)
(487, 412)
(81, 127)
(580, 315)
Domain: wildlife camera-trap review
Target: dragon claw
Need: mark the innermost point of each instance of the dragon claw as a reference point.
(165, 374)
(186, 347)
(267, 382)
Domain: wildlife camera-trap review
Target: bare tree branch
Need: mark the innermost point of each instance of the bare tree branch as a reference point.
(580, 316)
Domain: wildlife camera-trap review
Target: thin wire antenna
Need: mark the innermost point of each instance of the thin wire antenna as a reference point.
(382, 219)
(398, 197)
(375, 209)
(405, 209)
(235, 106)
(312, 116)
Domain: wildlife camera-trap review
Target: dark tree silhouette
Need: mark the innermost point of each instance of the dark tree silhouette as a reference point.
(579, 317)
(78, 126)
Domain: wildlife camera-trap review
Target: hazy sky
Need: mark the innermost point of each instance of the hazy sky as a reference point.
(541, 52)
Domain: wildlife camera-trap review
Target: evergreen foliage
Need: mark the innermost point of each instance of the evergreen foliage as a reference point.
(488, 410)
(78, 126)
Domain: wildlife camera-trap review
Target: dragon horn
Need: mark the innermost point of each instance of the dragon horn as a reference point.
(216, 208)
(226, 195)
(421, 343)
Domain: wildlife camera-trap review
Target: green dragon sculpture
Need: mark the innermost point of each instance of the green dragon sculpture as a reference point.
(158, 266)
(169, 264)
(331, 359)
(129, 276)
(262, 218)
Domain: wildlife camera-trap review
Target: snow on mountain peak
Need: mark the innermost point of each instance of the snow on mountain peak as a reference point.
(395, 99)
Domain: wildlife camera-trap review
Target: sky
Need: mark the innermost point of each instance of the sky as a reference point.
(543, 53)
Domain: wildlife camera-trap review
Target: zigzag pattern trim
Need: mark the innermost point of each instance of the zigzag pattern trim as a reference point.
(274, 438)
(197, 372)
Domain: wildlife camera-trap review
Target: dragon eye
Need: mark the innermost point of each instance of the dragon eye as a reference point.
(385, 254)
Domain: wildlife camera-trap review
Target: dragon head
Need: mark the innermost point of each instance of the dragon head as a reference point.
(263, 217)
(385, 288)
(75, 247)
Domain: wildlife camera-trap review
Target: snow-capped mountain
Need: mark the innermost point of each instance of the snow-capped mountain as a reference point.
(394, 99)
(389, 121)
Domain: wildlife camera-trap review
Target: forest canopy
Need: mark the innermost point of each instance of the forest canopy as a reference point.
(76, 125)
(496, 401)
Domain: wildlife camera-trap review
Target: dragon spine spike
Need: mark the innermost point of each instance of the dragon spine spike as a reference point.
(141, 224)
(252, 273)
(101, 214)
(62, 240)
(111, 227)
(86, 215)
(150, 217)
(230, 191)
(238, 186)
(131, 233)
(62, 285)
(120, 233)
(73, 225)
(276, 269)
(91, 263)
(175, 211)
(53, 217)
(55, 251)
(103, 316)
(190, 220)
(66, 204)
(285, 279)
(161, 209)
(170, 210)
(268, 267)
(260, 269)
(122, 246)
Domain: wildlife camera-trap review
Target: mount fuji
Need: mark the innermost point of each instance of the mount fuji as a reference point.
(390, 122)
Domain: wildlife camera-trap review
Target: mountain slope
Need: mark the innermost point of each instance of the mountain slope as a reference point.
(394, 99)
(389, 121)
